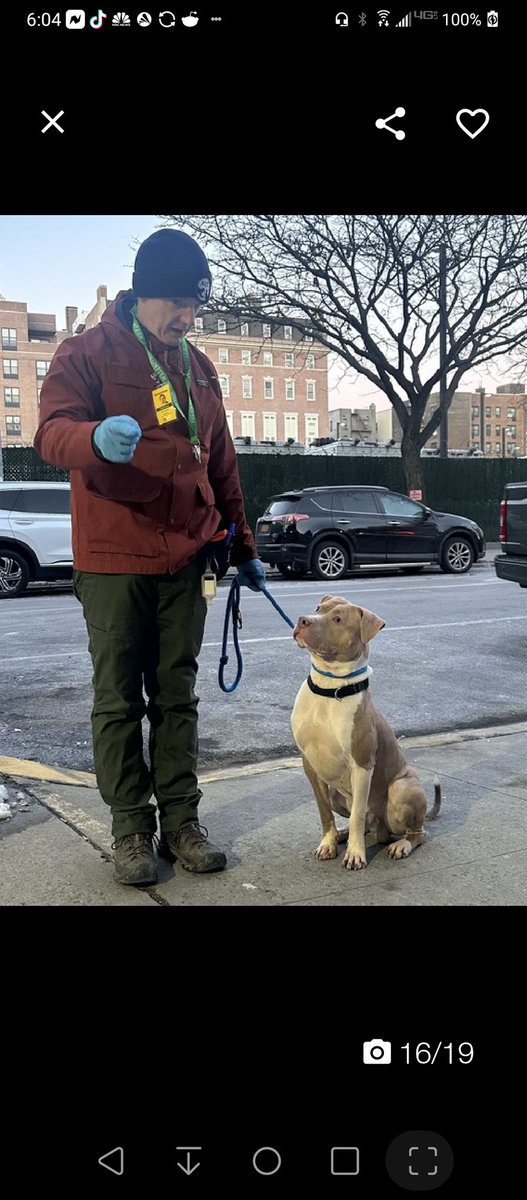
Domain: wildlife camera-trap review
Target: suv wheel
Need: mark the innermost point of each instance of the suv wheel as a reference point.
(14, 573)
(291, 571)
(330, 561)
(457, 556)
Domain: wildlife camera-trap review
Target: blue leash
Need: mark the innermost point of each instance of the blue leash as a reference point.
(233, 609)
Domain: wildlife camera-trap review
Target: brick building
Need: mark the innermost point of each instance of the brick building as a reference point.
(28, 343)
(274, 386)
(493, 423)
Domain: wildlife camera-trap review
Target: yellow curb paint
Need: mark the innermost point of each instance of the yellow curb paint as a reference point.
(28, 769)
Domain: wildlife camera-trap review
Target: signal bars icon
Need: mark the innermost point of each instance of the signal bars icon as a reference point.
(406, 21)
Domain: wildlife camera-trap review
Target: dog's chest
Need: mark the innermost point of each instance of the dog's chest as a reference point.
(323, 729)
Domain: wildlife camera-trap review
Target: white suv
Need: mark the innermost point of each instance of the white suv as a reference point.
(35, 534)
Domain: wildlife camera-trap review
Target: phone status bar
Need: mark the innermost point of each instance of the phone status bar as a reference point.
(78, 18)
(384, 18)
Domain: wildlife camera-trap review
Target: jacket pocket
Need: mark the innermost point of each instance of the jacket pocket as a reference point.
(123, 483)
(204, 507)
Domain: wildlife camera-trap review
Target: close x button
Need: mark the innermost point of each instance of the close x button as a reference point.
(52, 122)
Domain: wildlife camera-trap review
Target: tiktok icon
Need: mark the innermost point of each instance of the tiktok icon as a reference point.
(96, 22)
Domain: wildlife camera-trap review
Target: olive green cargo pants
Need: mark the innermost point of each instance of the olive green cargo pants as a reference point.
(145, 632)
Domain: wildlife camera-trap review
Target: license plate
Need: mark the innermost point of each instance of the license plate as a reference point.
(264, 527)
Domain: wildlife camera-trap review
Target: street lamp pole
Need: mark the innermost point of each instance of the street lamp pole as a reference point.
(443, 428)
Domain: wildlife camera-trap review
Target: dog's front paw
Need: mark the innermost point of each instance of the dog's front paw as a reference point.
(400, 849)
(327, 847)
(354, 860)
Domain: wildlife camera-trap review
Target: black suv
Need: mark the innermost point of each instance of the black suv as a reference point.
(331, 530)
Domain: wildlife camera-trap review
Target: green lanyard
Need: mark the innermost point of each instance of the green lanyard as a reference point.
(190, 417)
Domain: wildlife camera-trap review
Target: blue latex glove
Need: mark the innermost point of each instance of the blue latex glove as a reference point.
(252, 574)
(117, 438)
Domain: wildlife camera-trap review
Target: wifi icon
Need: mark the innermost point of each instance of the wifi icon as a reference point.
(383, 15)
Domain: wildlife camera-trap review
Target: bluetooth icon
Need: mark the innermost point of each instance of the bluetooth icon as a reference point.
(362, 19)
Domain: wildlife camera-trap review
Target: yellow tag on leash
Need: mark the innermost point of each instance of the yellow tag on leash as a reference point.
(165, 410)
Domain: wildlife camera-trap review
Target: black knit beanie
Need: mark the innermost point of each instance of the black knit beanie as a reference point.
(171, 264)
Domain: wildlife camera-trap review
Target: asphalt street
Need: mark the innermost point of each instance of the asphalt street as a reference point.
(452, 656)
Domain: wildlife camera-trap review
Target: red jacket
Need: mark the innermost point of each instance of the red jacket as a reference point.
(152, 515)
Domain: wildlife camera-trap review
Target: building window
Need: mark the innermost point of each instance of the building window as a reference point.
(311, 426)
(310, 362)
(225, 384)
(223, 354)
(9, 339)
(248, 424)
(230, 420)
(498, 447)
(13, 425)
(268, 389)
(10, 368)
(475, 410)
(288, 332)
(311, 389)
(291, 426)
(222, 328)
(498, 430)
(266, 330)
(488, 430)
(267, 358)
(198, 324)
(42, 368)
(488, 412)
(246, 358)
(487, 447)
(511, 414)
(244, 329)
(247, 387)
(12, 397)
(475, 431)
(289, 360)
(498, 412)
(269, 427)
(511, 431)
(289, 389)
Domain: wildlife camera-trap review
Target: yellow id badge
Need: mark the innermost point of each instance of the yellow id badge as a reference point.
(165, 410)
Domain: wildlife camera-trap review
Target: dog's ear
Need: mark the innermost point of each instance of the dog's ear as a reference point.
(370, 625)
(326, 597)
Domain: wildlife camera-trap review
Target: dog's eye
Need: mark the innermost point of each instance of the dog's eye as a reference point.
(317, 608)
(337, 620)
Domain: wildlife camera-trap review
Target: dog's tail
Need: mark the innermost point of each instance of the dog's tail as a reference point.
(434, 811)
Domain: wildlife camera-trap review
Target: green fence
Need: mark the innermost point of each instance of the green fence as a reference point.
(472, 487)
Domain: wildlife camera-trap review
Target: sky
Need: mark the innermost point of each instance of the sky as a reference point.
(50, 262)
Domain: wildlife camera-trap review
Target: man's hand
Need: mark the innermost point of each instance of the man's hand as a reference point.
(116, 438)
(252, 574)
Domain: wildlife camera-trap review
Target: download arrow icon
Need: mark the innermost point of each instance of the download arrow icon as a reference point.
(188, 1169)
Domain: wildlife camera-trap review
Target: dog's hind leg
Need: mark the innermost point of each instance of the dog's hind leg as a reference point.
(405, 813)
(327, 848)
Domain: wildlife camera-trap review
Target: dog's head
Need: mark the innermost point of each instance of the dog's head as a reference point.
(338, 631)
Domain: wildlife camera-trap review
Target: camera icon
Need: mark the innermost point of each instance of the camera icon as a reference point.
(377, 1052)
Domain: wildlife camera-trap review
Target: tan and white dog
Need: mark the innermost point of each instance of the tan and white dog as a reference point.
(350, 754)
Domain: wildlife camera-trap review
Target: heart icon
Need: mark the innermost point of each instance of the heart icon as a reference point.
(473, 112)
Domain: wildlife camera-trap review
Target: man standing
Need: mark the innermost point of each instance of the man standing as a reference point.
(136, 415)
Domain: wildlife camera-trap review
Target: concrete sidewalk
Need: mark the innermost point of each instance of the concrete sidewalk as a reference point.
(56, 848)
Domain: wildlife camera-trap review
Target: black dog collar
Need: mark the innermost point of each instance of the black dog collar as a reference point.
(340, 692)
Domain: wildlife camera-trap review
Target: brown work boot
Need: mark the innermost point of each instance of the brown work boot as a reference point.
(134, 859)
(190, 847)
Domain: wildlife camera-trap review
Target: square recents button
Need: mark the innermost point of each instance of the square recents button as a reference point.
(344, 1160)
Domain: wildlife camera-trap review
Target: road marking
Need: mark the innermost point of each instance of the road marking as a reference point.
(28, 769)
(6, 661)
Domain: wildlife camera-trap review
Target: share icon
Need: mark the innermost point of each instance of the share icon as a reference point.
(382, 123)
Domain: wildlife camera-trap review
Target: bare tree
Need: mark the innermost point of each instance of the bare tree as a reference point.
(368, 288)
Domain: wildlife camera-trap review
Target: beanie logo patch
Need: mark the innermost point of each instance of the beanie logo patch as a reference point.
(203, 290)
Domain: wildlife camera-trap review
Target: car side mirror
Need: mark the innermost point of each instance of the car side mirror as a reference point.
(426, 511)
